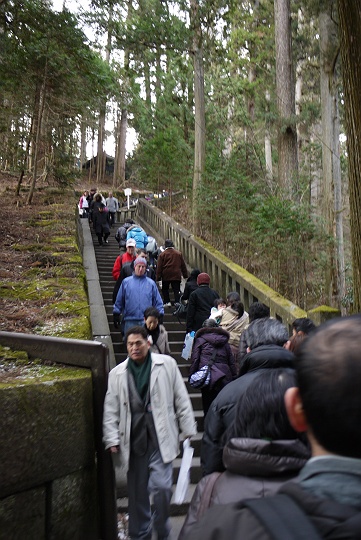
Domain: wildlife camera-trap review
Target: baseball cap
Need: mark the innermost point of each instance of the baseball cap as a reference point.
(130, 242)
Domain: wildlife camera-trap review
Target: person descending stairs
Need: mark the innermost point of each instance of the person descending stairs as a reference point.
(105, 257)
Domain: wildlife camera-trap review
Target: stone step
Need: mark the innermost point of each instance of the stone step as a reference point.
(106, 256)
(175, 509)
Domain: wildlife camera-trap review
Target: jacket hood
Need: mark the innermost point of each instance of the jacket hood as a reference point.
(216, 336)
(258, 457)
(267, 356)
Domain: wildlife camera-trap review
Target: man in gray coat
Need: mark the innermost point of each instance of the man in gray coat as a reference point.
(146, 405)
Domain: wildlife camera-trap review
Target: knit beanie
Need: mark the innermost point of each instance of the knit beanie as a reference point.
(203, 279)
(140, 260)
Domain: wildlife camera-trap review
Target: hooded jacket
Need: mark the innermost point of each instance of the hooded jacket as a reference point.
(222, 411)
(254, 468)
(139, 235)
(335, 513)
(205, 342)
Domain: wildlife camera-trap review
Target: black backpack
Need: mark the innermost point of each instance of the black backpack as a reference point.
(283, 518)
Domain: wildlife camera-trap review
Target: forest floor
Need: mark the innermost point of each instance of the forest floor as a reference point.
(34, 237)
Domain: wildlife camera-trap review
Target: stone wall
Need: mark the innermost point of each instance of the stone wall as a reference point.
(47, 469)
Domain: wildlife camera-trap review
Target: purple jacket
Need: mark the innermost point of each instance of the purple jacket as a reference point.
(205, 341)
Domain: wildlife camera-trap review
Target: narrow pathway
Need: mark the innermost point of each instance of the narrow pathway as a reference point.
(105, 257)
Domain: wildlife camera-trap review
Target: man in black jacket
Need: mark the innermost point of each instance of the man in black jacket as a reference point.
(327, 405)
(265, 339)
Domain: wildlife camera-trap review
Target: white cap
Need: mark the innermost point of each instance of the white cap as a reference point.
(131, 242)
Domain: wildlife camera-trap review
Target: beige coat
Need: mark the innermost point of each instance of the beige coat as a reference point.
(233, 325)
(171, 408)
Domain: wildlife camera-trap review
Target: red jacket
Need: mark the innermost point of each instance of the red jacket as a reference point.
(119, 261)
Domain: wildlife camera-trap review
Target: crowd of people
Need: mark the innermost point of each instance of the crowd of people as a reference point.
(281, 411)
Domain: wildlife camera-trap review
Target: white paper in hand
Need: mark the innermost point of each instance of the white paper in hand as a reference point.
(183, 477)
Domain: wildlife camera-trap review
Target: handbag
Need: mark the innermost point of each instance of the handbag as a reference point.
(181, 310)
(202, 377)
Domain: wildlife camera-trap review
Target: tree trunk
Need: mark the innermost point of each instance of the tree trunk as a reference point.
(82, 143)
(329, 110)
(101, 156)
(349, 13)
(287, 135)
(36, 141)
(121, 137)
(199, 107)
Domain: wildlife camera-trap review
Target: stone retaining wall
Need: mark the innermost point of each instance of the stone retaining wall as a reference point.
(47, 467)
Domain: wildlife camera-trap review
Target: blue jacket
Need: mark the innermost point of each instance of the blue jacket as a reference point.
(135, 295)
(136, 233)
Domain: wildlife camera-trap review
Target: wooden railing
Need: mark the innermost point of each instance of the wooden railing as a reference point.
(226, 276)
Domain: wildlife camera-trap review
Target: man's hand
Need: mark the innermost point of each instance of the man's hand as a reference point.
(116, 320)
(114, 449)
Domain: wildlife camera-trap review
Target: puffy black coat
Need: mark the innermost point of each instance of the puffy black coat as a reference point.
(332, 520)
(222, 411)
(254, 468)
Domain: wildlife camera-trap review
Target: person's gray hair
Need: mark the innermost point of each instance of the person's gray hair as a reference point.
(265, 332)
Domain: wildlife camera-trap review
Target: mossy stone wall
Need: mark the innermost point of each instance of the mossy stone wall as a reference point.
(47, 468)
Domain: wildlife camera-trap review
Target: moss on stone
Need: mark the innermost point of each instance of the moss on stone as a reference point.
(324, 309)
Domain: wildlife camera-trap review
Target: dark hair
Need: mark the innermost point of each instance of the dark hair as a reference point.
(136, 330)
(209, 323)
(303, 324)
(152, 312)
(232, 297)
(265, 332)
(194, 274)
(168, 243)
(257, 310)
(261, 411)
(239, 307)
(218, 301)
(328, 370)
(295, 342)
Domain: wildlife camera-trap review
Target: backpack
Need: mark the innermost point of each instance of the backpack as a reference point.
(152, 244)
(283, 518)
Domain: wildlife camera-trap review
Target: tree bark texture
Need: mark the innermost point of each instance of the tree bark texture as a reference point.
(287, 135)
(328, 82)
(199, 107)
(349, 13)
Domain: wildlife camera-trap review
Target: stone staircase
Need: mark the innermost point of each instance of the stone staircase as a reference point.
(105, 257)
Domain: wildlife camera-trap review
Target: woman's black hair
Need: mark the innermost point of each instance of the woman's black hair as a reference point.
(261, 411)
(232, 297)
(151, 312)
(237, 306)
(194, 273)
